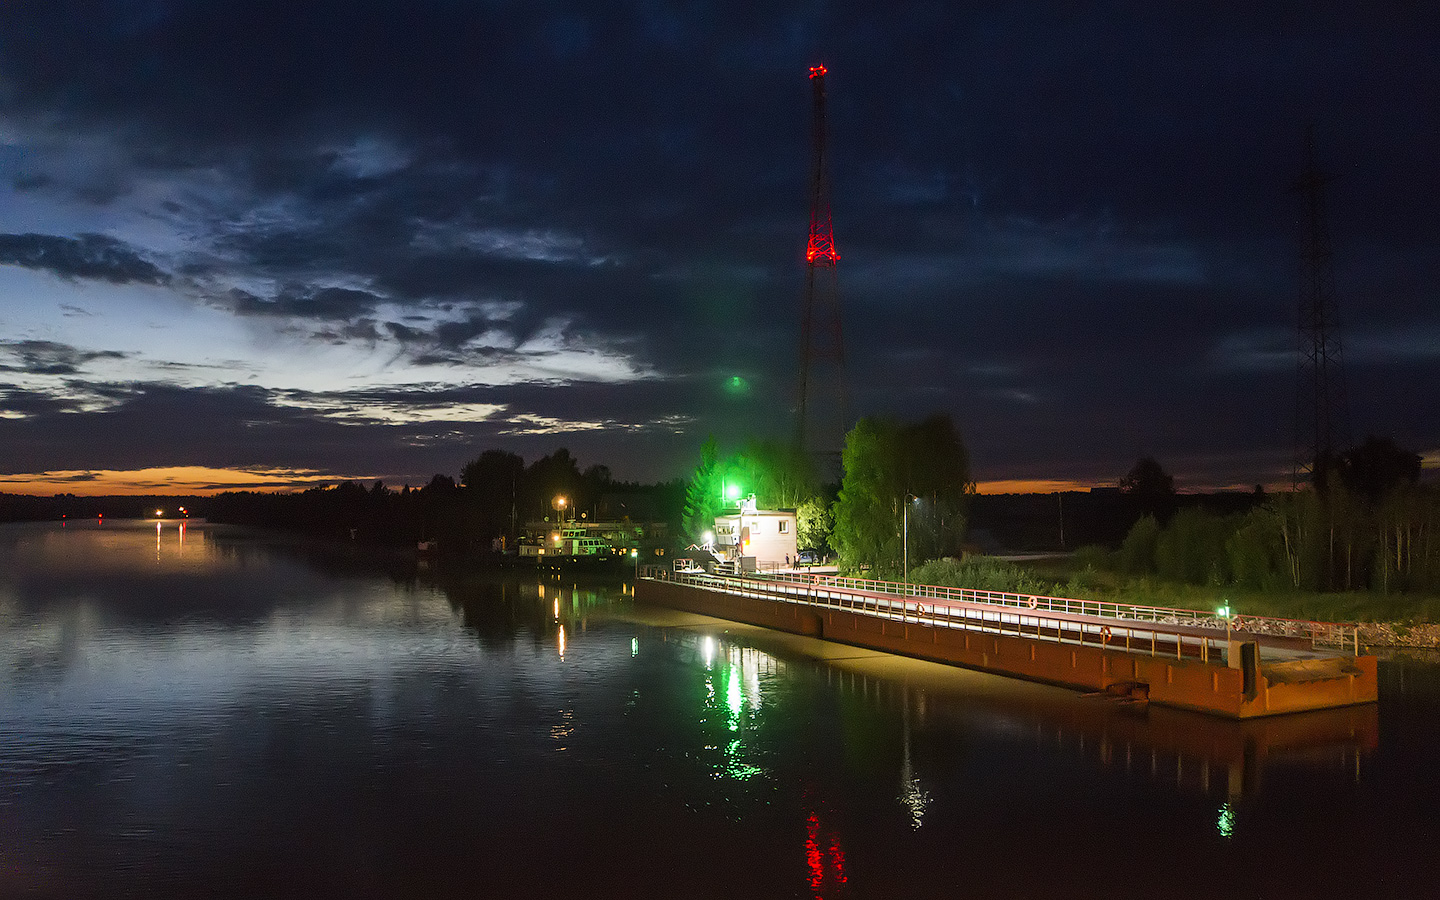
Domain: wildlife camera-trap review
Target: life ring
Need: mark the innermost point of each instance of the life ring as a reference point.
(814, 579)
(1105, 634)
(1034, 602)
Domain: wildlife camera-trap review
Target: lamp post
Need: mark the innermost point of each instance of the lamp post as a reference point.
(560, 502)
(635, 555)
(908, 497)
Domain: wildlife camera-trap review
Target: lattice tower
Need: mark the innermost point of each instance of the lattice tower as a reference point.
(821, 414)
(1321, 410)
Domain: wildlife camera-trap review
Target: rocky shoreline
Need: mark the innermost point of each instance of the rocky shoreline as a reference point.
(1400, 635)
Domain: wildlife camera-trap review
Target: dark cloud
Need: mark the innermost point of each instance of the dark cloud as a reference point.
(48, 357)
(325, 304)
(91, 256)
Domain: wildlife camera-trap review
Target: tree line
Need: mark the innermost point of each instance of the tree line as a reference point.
(486, 510)
(1368, 523)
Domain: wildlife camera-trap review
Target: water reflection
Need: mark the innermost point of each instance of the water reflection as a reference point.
(290, 719)
(825, 859)
(912, 795)
(1225, 823)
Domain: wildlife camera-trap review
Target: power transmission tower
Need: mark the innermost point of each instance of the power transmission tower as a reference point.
(1321, 411)
(821, 414)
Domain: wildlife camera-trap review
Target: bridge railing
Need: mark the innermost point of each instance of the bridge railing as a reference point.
(1336, 635)
(1132, 636)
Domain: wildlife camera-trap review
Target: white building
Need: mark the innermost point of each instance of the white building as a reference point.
(768, 535)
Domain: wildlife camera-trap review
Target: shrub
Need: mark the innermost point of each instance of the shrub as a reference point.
(1137, 551)
(980, 573)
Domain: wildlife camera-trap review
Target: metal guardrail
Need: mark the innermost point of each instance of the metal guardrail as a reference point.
(1040, 613)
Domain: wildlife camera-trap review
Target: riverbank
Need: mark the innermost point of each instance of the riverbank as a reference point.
(1384, 620)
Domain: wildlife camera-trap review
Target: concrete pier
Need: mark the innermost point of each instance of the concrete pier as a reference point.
(1165, 663)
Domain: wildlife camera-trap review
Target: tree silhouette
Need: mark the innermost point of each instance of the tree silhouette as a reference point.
(1377, 467)
(1150, 486)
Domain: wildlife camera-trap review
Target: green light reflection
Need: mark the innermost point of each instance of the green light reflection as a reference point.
(736, 701)
(1225, 824)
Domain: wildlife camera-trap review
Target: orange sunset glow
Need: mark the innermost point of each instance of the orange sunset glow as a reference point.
(187, 480)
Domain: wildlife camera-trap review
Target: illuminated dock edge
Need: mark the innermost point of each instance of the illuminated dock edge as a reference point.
(1176, 664)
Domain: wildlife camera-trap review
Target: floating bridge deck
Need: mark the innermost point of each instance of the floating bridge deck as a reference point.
(1233, 667)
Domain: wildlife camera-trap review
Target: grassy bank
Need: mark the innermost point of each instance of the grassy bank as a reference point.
(1385, 620)
(1078, 576)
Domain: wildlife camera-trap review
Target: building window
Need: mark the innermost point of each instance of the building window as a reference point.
(784, 526)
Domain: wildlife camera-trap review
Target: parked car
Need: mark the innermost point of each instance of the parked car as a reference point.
(807, 558)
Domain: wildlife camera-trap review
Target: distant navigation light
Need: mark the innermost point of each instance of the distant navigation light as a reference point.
(159, 512)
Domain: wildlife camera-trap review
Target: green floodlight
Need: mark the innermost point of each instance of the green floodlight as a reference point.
(1223, 612)
(733, 491)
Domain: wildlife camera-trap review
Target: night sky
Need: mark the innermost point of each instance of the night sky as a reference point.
(275, 243)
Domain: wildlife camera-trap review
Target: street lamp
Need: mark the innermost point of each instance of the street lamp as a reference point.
(635, 555)
(560, 502)
(731, 492)
(908, 498)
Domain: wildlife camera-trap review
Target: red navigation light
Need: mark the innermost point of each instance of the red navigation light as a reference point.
(821, 246)
(817, 71)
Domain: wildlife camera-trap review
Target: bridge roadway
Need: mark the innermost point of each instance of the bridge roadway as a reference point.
(1132, 628)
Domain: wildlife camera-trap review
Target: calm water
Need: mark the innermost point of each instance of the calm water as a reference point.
(227, 714)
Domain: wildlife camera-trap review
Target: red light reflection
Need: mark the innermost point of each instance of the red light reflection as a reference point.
(827, 863)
